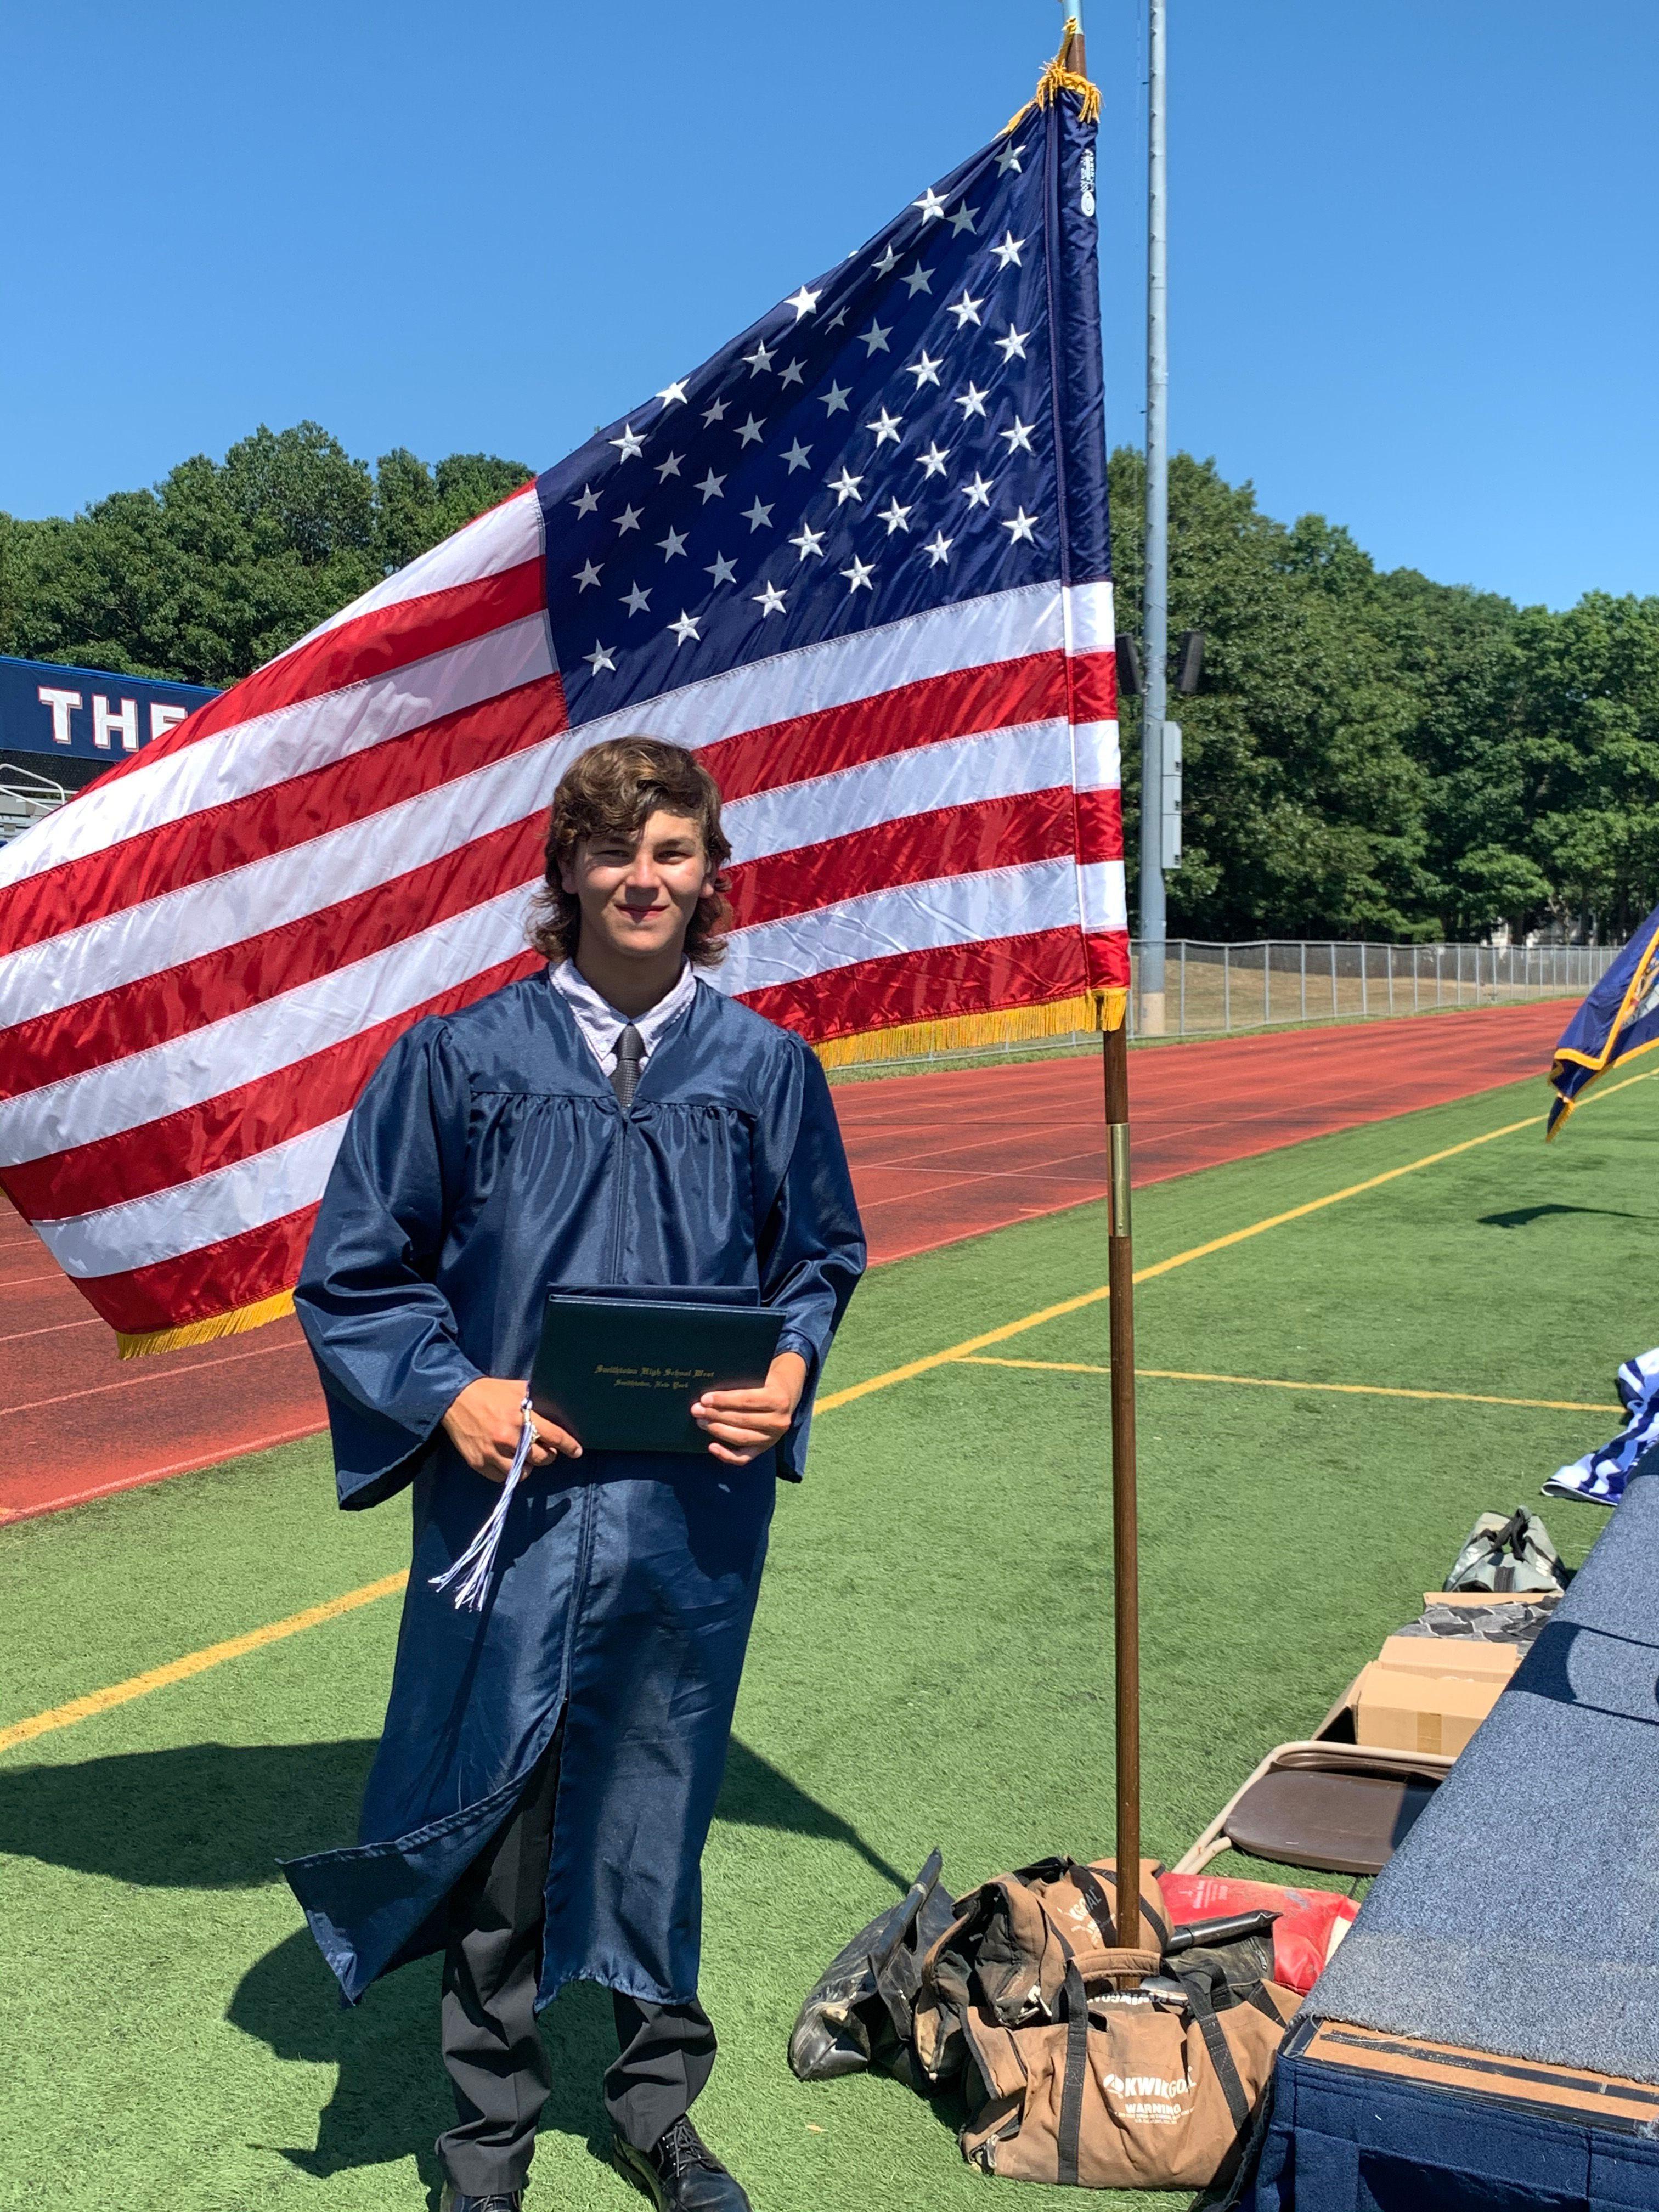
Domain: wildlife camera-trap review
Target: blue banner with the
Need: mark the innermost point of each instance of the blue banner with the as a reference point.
(87, 714)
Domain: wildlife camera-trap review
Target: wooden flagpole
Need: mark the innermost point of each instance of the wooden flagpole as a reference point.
(1120, 1276)
(1126, 1575)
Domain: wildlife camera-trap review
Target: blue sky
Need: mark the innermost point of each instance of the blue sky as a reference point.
(1413, 245)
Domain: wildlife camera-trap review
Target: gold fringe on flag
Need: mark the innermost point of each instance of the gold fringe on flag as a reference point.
(1013, 1025)
(235, 1323)
(1057, 78)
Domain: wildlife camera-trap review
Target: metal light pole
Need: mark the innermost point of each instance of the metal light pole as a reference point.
(1157, 593)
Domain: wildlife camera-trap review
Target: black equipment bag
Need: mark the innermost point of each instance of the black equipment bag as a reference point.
(859, 2016)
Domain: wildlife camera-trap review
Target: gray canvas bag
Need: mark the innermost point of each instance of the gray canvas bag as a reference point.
(1515, 1554)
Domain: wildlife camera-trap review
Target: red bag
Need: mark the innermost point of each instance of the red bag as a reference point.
(1311, 1922)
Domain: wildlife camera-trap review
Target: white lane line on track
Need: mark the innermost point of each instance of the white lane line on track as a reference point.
(51, 1330)
(127, 1381)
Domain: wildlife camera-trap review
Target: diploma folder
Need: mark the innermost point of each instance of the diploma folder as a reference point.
(621, 1372)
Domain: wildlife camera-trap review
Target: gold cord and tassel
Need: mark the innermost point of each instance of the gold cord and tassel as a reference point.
(1057, 78)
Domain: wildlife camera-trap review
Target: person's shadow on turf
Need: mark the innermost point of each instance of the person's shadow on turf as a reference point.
(1522, 1217)
(390, 2099)
(214, 1816)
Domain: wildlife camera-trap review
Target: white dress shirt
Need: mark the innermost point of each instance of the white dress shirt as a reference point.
(602, 1025)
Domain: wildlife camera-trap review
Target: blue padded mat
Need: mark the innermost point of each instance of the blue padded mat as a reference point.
(1521, 1915)
(1519, 1918)
(1364, 2143)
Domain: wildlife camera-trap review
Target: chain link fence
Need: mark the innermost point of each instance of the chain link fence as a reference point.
(1215, 989)
(1218, 990)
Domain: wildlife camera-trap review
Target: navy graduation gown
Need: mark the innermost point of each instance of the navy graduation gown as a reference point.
(488, 1159)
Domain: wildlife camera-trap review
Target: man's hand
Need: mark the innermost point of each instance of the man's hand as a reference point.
(485, 1422)
(741, 1424)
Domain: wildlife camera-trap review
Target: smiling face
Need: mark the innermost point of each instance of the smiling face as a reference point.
(638, 894)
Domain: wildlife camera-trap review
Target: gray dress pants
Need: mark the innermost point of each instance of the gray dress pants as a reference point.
(492, 2048)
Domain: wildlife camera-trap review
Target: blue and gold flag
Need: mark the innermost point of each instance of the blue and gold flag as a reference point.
(1620, 1018)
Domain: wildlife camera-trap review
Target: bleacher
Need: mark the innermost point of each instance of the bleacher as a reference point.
(25, 796)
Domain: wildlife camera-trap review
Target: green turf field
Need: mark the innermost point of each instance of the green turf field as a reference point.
(931, 1663)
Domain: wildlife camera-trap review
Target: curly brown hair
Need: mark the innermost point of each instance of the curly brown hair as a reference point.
(613, 790)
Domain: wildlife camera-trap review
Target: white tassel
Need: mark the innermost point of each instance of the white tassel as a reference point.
(480, 1554)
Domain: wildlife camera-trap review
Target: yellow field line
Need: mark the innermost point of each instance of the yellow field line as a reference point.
(196, 1663)
(973, 1344)
(215, 1655)
(1273, 1382)
(912, 1368)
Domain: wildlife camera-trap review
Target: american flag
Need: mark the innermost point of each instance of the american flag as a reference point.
(858, 560)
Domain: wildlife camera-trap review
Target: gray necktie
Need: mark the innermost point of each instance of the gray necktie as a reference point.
(625, 1076)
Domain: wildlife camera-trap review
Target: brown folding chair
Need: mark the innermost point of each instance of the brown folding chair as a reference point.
(1341, 1808)
(1327, 1803)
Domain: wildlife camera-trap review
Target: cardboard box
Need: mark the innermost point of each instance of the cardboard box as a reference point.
(1471, 1657)
(1404, 1711)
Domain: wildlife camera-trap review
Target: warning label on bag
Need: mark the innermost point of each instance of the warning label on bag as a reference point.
(1146, 2099)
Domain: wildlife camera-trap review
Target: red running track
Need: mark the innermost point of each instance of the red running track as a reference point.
(935, 1157)
(938, 1157)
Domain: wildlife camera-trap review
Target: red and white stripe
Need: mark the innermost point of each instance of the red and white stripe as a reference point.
(203, 958)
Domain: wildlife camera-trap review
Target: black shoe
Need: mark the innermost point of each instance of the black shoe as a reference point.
(680, 2174)
(502, 2200)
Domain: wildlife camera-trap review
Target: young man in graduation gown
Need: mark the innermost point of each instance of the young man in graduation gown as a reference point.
(537, 1809)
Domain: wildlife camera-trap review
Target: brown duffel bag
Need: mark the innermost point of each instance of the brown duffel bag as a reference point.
(1009, 1945)
(1129, 2090)
(1082, 2062)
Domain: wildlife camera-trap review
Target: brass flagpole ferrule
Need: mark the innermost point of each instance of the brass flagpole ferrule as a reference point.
(1117, 1142)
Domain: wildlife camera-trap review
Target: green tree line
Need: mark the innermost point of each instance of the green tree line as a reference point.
(223, 563)
(1373, 755)
(1369, 754)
